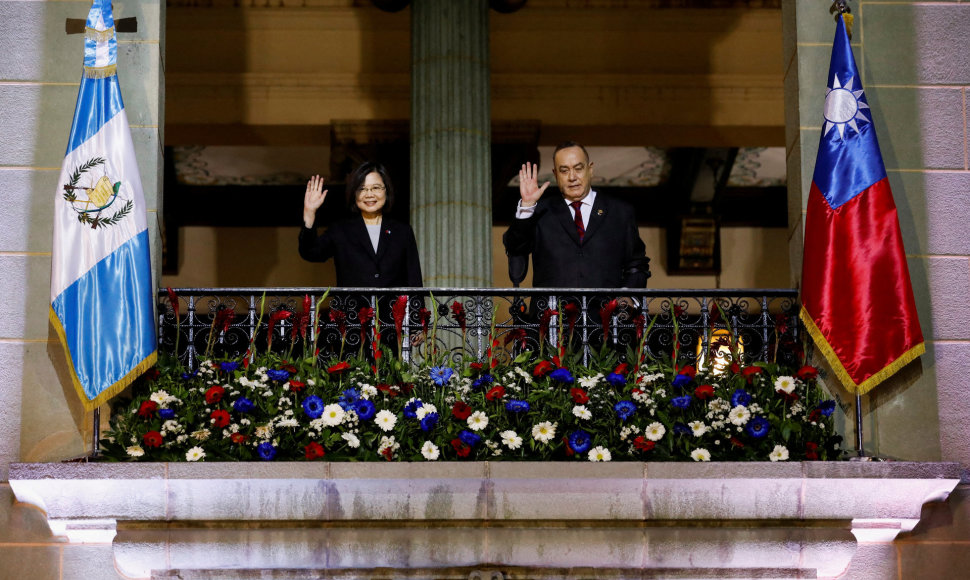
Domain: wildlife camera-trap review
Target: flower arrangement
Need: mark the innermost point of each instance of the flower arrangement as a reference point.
(372, 406)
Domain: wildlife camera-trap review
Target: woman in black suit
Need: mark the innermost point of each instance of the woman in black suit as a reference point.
(370, 249)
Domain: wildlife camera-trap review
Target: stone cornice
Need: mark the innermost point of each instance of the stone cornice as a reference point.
(531, 4)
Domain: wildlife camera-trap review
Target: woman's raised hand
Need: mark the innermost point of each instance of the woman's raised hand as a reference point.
(313, 199)
(529, 187)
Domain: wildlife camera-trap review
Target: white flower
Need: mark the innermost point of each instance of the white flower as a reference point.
(430, 451)
(287, 422)
(700, 454)
(424, 409)
(135, 451)
(264, 432)
(194, 454)
(654, 431)
(780, 453)
(589, 382)
(368, 391)
(201, 434)
(600, 453)
(786, 384)
(698, 427)
(544, 432)
(582, 412)
(172, 426)
(161, 397)
(477, 421)
(351, 439)
(739, 415)
(385, 420)
(511, 440)
(333, 415)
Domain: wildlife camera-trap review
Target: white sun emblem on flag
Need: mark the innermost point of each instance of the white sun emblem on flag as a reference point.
(843, 107)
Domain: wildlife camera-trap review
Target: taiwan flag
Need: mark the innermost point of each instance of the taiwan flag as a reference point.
(857, 301)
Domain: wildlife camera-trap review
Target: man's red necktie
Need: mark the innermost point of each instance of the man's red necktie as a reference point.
(578, 218)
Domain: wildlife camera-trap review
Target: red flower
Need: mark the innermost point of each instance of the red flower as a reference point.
(477, 366)
(366, 314)
(644, 444)
(238, 438)
(458, 313)
(737, 442)
(606, 316)
(152, 439)
(219, 418)
(790, 397)
(387, 389)
(297, 386)
(406, 388)
(640, 323)
(544, 319)
(811, 450)
(461, 447)
(689, 370)
(750, 372)
(388, 453)
(678, 311)
(340, 319)
(579, 396)
(543, 368)
(781, 324)
(223, 319)
(214, 394)
(153, 374)
(461, 410)
(339, 367)
(424, 315)
(398, 309)
(815, 416)
(704, 392)
(621, 369)
(147, 409)
(571, 312)
(735, 368)
(517, 334)
(807, 373)
(314, 450)
(173, 299)
(495, 393)
(715, 313)
(273, 319)
(569, 448)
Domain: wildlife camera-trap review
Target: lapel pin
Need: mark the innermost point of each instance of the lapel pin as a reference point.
(599, 212)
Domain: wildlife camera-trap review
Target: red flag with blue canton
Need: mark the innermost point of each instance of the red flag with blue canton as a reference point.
(857, 301)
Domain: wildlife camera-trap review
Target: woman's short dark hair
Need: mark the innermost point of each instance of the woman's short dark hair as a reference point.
(356, 180)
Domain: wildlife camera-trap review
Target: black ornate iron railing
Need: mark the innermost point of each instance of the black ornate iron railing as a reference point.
(224, 322)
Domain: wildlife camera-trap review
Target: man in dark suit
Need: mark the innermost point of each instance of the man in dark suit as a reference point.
(581, 239)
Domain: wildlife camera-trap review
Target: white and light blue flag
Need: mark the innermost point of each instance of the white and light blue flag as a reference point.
(101, 282)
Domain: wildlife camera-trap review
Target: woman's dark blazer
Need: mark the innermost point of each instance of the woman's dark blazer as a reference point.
(395, 264)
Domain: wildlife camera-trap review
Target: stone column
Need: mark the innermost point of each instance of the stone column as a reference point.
(451, 206)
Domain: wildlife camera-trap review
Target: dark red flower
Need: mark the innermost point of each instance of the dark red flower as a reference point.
(622, 368)
(579, 396)
(689, 370)
(219, 418)
(147, 409)
(571, 311)
(781, 324)
(238, 438)
(640, 323)
(388, 453)
(297, 386)
(678, 310)
(569, 448)
(153, 373)
(461, 410)
(387, 389)
(790, 397)
(606, 316)
(715, 313)
(214, 394)
(314, 450)
(815, 416)
(424, 315)
(458, 313)
(406, 388)
(704, 392)
(644, 444)
(398, 309)
(476, 366)
(811, 451)
(735, 368)
(339, 318)
(807, 373)
(461, 447)
(544, 319)
(495, 393)
(737, 442)
(223, 319)
(749, 373)
(338, 368)
(273, 319)
(543, 368)
(365, 314)
(173, 299)
(152, 439)
(518, 334)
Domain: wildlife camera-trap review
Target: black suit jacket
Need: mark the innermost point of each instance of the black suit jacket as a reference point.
(395, 263)
(611, 255)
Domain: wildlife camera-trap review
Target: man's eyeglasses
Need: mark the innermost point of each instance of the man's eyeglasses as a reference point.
(372, 189)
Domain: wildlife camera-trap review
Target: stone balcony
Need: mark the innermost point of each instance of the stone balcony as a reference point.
(484, 519)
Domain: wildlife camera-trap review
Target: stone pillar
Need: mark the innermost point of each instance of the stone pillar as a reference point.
(451, 206)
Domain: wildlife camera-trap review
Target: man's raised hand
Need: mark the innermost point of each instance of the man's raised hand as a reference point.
(313, 199)
(529, 187)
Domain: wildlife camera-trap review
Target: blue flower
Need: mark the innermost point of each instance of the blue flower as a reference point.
(266, 451)
(190, 376)
(758, 427)
(616, 380)
(429, 421)
(827, 407)
(682, 429)
(243, 405)
(365, 409)
(562, 376)
(313, 406)
(278, 375)
(229, 366)
(166, 414)
(680, 381)
(740, 397)
(348, 399)
(441, 375)
(411, 409)
(625, 409)
(580, 441)
(469, 438)
(482, 382)
(517, 406)
(681, 402)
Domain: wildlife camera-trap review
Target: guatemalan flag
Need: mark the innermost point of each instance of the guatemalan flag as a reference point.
(857, 301)
(101, 283)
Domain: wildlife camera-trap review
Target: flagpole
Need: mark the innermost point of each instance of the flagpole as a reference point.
(860, 451)
(95, 447)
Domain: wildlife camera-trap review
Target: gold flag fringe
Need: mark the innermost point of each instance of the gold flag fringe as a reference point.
(833, 359)
(100, 72)
(99, 35)
(104, 396)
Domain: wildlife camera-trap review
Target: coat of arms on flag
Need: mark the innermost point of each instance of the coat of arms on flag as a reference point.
(857, 300)
(101, 283)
